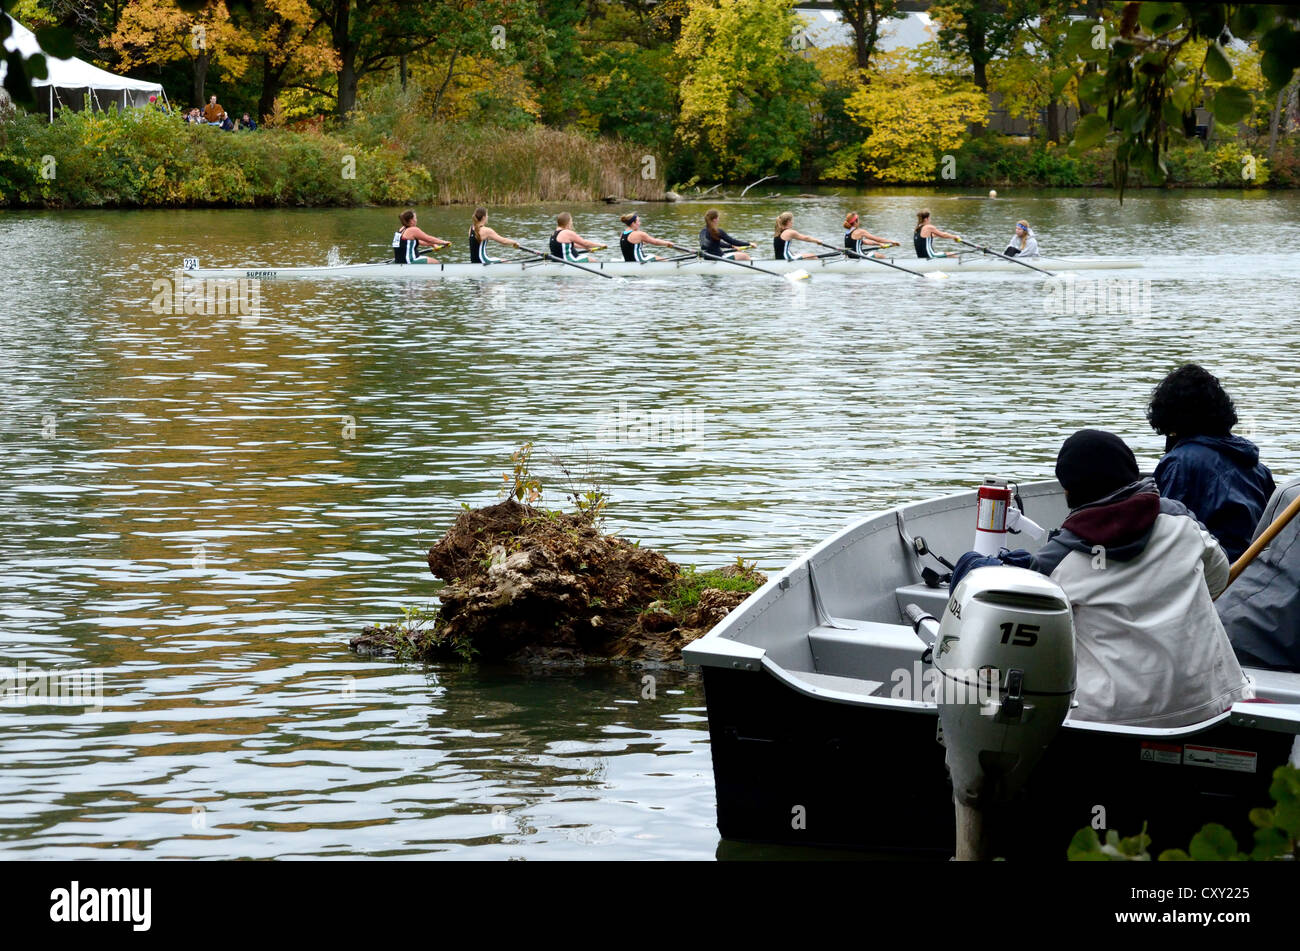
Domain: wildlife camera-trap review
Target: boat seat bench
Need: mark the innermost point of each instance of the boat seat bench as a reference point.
(864, 650)
(932, 600)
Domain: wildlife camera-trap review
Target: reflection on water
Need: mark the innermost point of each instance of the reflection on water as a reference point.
(205, 508)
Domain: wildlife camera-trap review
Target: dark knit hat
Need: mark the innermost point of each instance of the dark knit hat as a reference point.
(1092, 464)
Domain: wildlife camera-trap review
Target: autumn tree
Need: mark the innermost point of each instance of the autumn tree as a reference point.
(865, 17)
(159, 32)
(980, 30)
(285, 46)
(746, 97)
(371, 36)
(910, 114)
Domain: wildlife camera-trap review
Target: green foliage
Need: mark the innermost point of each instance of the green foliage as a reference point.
(1277, 834)
(998, 160)
(1149, 87)
(147, 158)
(525, 487)
(684, 592)
(910, 116)
(1087, 847)
(418, 637)
(746, 97)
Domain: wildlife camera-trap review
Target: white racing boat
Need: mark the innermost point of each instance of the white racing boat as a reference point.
(533, 267)
(824, 699)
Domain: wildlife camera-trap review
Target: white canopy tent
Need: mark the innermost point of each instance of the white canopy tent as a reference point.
(70, 81)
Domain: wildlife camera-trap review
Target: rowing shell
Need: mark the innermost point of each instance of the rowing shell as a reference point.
(630, 269)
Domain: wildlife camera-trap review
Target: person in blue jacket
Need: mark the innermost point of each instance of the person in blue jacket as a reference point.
(1217, 475)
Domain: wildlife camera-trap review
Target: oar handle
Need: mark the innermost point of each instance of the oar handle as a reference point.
(1265, 538)
(1005, 257)
(555, 257)
(867, 257)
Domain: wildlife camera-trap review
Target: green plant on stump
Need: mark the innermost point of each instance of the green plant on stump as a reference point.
(1277, 834)
(526, 487)
(684, 593)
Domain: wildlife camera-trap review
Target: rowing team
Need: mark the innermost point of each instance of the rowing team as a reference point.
(411, 245)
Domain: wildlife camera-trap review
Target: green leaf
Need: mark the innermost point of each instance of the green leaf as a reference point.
(1174, 855)
(1091, 131)
(1085, 847)
(1231, 104)
(1060, 80)
(1216, 64)
(1213, 843)
(1277, 69)
(1092, 89)
(1269, 844)
(1261, 818)
(1160, 17)
(57, 41)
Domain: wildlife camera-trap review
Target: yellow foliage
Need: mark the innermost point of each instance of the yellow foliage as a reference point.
(910, 118)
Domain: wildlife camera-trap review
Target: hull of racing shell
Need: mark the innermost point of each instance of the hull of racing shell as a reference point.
(655, 269)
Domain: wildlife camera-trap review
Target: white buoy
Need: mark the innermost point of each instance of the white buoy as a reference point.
(993, 193)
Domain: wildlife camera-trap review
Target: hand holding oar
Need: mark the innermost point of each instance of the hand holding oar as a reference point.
(792, 276)
(1005, 257)
(1263, 541)
(933, 275)
(556, 257)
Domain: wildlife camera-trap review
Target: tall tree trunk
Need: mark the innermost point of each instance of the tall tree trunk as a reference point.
(1053, 121)
(401, 69)
(1273, 122)
(200, 77)
(270, 88)
(346, 47)
(347, 83)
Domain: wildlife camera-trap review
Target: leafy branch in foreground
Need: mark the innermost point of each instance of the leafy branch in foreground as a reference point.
(1149, 90)
(1277, 834)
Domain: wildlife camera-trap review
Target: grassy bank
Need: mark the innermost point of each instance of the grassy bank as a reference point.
(147, 159)
(1005, 160)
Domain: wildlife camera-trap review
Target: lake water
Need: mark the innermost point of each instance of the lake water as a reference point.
(202, 510)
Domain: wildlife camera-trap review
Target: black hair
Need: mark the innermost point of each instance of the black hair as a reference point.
(1191, 402)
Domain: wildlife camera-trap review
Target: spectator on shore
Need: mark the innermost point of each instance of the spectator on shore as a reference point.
(1214, 473)
(212, 112)
(193, 116)
(247, 123)
(226, 124)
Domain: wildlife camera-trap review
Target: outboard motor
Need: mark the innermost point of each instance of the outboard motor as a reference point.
(1005, 656)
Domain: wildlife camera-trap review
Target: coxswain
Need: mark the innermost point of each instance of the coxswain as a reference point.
(1024, 244)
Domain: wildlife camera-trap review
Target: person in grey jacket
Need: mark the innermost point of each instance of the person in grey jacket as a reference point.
(1261, 611)
(1140, 572)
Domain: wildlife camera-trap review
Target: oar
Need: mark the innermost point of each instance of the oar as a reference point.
(792, 276)
(1263, 541)
(555, 257)
(933, 275)
(1005, 257)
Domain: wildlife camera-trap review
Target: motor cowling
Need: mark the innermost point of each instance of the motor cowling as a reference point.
(1005, 656)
